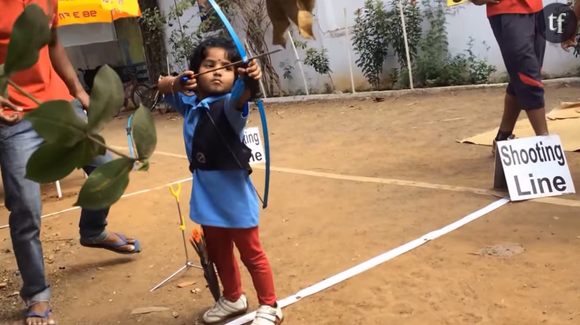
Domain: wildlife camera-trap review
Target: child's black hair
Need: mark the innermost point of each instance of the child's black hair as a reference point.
(200, 52)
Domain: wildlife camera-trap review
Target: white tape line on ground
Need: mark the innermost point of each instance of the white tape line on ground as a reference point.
(124, 196)
(391, 181)
(335, 279)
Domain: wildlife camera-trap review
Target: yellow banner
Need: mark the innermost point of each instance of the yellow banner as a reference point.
(72, 12)
(451, 3)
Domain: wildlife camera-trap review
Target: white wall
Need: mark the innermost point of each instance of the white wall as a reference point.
(329, 28)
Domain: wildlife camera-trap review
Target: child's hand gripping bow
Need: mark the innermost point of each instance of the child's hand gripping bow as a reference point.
(251, 74)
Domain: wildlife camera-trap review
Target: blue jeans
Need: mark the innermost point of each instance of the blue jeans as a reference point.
(22, 199)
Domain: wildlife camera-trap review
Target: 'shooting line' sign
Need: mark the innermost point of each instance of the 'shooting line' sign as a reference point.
(253, 140)
(535, 167)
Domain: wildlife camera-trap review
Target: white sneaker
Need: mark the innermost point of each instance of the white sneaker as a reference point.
(224, 309)
(267, 315)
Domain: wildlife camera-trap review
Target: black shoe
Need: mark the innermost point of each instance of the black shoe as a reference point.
(494, 146)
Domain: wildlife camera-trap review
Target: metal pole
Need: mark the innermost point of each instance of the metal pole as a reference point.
(299, 63)
(348, 51)
(409, 68)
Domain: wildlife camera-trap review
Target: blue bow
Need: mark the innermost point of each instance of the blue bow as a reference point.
(258, 102)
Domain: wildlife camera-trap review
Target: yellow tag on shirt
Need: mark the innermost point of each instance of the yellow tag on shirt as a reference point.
(451, 3)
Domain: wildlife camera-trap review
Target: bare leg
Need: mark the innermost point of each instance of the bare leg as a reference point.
(538, 120)
(511, 112)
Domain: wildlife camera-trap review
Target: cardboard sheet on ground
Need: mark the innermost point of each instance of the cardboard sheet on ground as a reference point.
(563, 120)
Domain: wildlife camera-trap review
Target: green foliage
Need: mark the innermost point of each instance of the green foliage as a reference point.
(56, 122)
(30, 33)
(318, 60)
(57, 159)
(3, 82)
(430, 68)
(182, 40)
(479, 70)
(413, 20)
(106, 184)
(69, 141)
(154, 19)
(434, 66)
(106, 93)
(298, 43)
(145, 137)
(288, 68)
(370, 40)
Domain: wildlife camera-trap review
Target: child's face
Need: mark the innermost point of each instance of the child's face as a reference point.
(220, 81)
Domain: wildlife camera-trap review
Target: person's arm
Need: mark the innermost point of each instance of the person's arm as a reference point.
(62, 65)
(567, 45)
(242, 93)
(577, 11)
(237, 108)
(172, 90)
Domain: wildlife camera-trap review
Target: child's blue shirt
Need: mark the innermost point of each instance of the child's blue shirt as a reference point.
(218, 198)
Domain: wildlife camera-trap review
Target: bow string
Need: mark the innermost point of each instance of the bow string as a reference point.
(257, 99)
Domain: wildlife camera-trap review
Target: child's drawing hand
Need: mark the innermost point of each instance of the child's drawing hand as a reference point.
(253, 70)
(186, 87)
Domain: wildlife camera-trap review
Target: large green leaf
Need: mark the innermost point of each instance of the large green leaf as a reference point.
(56, 122)
(107, 98)
(144, 132)
(105, 185)
(30, 34)
(3, 82)
(52, 162)
(94, 149)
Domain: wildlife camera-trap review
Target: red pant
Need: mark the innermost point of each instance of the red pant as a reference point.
(220, 246)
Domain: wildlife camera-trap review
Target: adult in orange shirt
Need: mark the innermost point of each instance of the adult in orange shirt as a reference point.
(52, 78)
(517, 25)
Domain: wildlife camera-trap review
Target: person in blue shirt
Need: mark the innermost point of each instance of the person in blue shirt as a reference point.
(224, 201)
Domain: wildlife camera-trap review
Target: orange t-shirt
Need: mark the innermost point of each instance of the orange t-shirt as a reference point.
(41, 81)
(514, 7)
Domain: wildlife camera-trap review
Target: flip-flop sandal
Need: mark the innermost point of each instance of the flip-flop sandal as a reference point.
(114, 247)
(44, 316)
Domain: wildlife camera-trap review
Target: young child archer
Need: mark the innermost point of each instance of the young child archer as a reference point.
(223, 199)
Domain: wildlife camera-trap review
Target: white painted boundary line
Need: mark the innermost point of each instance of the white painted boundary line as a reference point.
(340, 277)
(125, 195)
(392, 181)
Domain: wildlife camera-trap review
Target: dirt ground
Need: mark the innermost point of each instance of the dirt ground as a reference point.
(316, 227)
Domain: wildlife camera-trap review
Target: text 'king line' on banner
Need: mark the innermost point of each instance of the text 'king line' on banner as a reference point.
(253, 140)
(535, 167)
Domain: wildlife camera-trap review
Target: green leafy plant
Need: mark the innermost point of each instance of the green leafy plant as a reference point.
(413, 20)
(319, 61)
(370, 40)
(300, 45)
(434, 66)
(69, 141)
(287, 68)
(479, 70)
(429, 69)
(181, 39)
